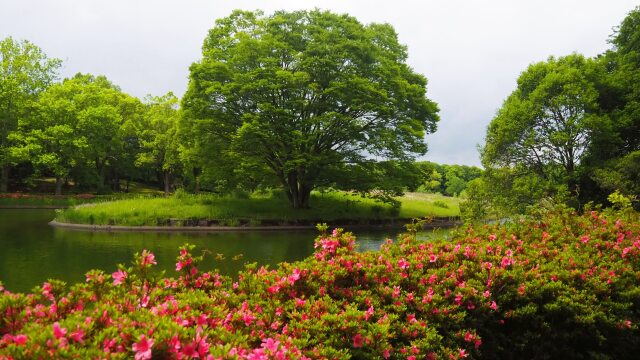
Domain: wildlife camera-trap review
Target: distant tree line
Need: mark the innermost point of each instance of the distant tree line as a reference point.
(449, 180)
(569, 131)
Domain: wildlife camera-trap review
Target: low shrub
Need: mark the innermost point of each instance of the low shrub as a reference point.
(440, 204)
(564, 286)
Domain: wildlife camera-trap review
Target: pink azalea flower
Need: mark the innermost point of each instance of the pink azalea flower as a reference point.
(271, 345)
(118, 277)
(174, 344)
(433, 258)
(369, 313)
(78, 336)
(20, 339)
(148, 258)
(46, 291)
(143, 348)
(468, 337)
(58, 332)
(506, 262)
(358, 341)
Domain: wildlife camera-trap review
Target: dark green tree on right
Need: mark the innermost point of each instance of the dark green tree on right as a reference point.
(570, 130)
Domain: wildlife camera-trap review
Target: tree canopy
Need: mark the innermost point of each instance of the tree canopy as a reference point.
(544, 125)
(83, 126)
(305, 94)
(570, 130)
(25, 71)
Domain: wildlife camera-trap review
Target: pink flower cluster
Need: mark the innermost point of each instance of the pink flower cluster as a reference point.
(493, 292)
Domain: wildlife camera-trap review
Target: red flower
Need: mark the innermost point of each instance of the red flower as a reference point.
(358, 341)
(58, 332)
(20, 339)
(143, 348)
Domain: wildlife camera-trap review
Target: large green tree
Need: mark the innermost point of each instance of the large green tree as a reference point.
(613, 158)
(84, 127)
(25, 71)
(305, 92)
(158, 138)
(545, 125)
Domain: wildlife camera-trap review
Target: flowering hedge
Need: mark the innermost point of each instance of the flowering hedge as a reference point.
(561, 286)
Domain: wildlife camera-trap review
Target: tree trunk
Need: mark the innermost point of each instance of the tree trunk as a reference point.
(167, 182)
(101, 176)
(59, 183)
(298, 192)
(573, 183)
(116, 180)
(196, 175)
(4, 178)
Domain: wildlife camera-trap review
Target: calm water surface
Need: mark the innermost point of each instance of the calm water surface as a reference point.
(31, 251)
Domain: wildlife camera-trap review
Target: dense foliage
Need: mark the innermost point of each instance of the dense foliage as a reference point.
(554, 285)
(299, 98)
(571, 129)
(294, 100)
(25, 71)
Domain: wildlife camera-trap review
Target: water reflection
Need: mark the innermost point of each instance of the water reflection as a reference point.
(32, 252)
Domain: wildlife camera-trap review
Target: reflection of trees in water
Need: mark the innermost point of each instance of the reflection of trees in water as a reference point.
(32, 251)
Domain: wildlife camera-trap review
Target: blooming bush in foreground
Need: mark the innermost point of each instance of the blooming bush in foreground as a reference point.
(561, 286)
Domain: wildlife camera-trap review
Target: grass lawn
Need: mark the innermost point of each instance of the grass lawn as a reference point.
(229, 211)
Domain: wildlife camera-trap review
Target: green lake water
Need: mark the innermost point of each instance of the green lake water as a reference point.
(31, 251)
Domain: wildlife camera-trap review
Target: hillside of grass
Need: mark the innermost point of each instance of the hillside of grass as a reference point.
(185, 208)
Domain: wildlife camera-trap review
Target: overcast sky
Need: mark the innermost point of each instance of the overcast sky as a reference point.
(470, 51)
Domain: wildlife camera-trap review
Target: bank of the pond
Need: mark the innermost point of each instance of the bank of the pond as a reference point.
(210, 211)
(48, 201)
(435, 223)
(43, 207)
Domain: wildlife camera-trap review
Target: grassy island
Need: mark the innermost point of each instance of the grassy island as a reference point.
(206, 209)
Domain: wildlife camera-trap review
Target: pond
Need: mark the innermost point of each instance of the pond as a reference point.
(31, 251)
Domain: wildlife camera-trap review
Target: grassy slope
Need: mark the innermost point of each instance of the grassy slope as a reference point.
(326, 207)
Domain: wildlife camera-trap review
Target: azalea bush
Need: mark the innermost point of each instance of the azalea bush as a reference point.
(556, 285)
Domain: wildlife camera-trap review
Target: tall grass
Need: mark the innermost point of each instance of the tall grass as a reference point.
(228, 210)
